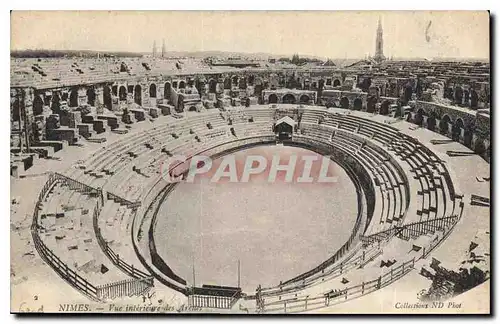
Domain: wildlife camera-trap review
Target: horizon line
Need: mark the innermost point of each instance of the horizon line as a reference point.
(248, 53)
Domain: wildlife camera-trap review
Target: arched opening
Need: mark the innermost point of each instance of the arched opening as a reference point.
(466, 97)
(234, 80)
(138, 95)
(479, 147)
(408, 118)
(448, 93)
(227, 83)
(419, 117)
(122, 93)
(196, 84)
(73, 98)
(167, 91)
(212, 86)
(152, 90)
(56, 103)
(47, 99)
(321, 84)
(199, 85)
(474, 99)
(370, 104)
(384, 108)
(419, 88)
(306, 84)
(304, 99)
(344, 103)
(443, 124)
(182, 85)
(242, 83)
(468, 137)
(358, 104)
(273, 98)
(37, 106)
(336, 83)
(257, 90)
(456, 129)
(180, 104)
(365, 84)
(408, 92)
(288, 99)
(390, 88)
(106, 96)
(15, 110)
(459, 93)
(91, 96)
(431, 122)
(251, 80)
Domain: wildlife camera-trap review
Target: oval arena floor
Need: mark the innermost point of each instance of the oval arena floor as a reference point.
(277, 230)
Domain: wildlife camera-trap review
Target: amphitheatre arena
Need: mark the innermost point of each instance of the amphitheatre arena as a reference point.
(94, 221)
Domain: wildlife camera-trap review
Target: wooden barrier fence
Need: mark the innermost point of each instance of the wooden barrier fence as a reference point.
(114, 257)
(128, 287)
(204, 301)
(62, 269)
(76, 185)
(294, 305)
(124, 288)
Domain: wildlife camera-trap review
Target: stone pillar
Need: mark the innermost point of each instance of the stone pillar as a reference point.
(82, 97)
(160, 90)
(145, 95)
(99, 97)
(99, 100)
(474, 140)
(115, 103)
(219, 89)
(474, 99)
(203, 88)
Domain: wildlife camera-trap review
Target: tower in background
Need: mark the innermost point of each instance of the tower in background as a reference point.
(154, 48)
(379, 46)
(163, 49)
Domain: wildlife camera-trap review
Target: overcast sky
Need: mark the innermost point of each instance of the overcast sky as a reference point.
(343, 34)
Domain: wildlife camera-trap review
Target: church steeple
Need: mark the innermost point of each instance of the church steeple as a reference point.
(379, 46)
